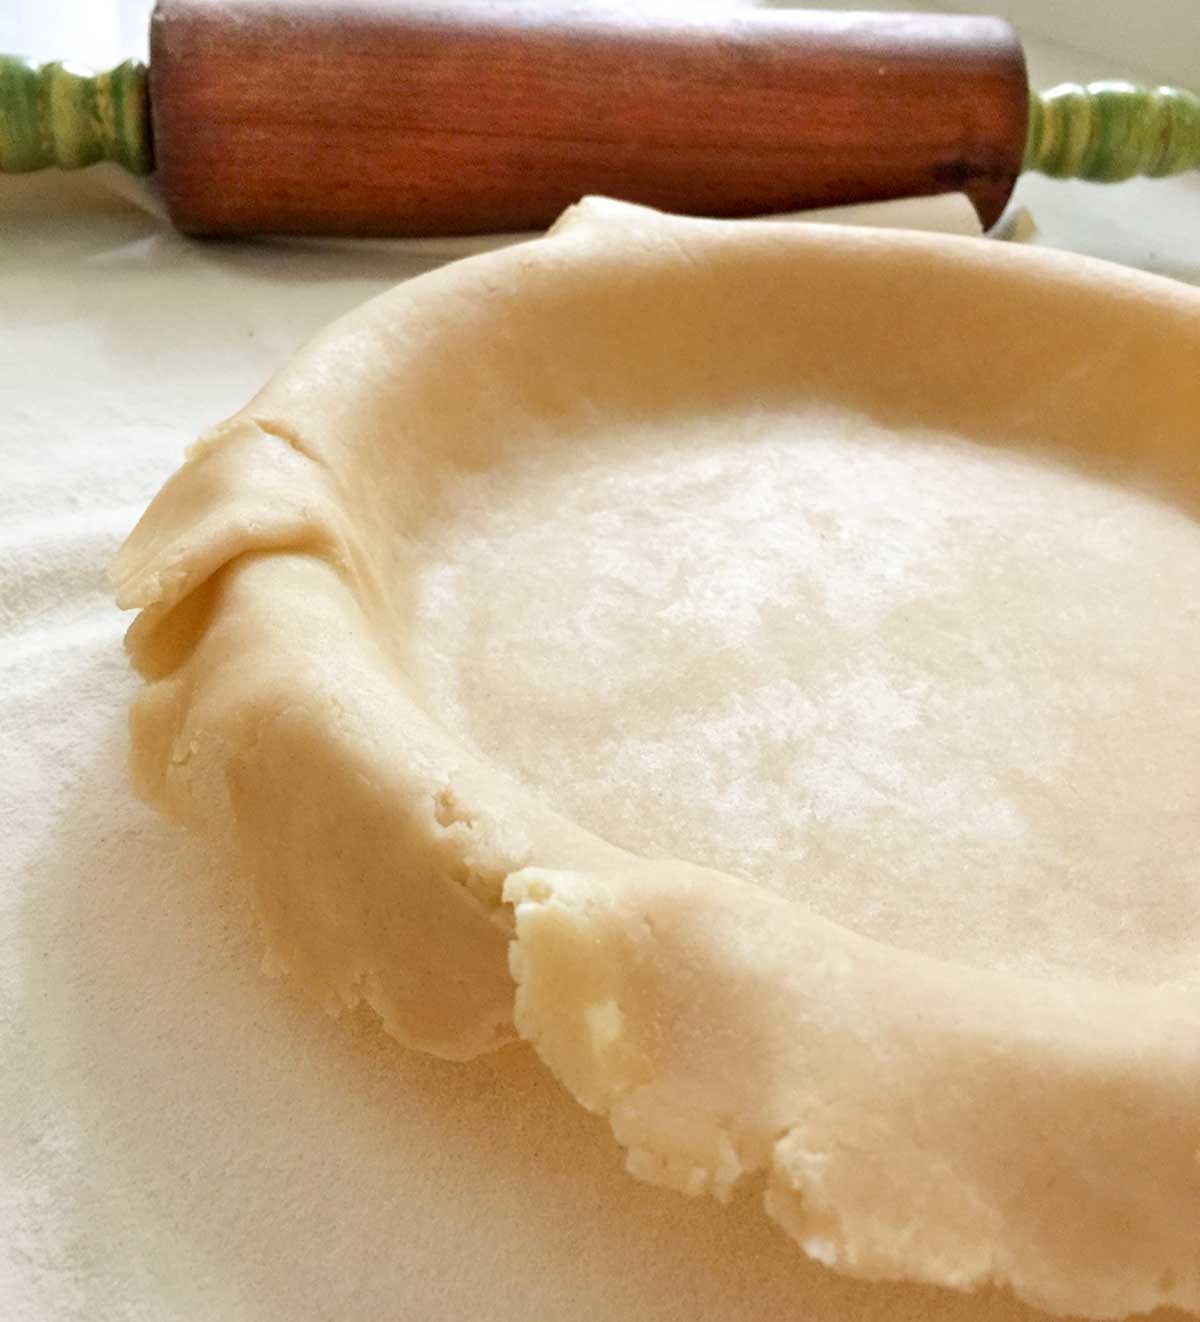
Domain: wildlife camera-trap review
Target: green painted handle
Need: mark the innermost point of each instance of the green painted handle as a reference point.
(60, 114)
(1110, 131)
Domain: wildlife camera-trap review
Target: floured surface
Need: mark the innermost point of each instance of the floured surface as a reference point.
(939, 692)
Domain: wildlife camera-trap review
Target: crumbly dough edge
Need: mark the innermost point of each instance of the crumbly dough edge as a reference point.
(886, 1102)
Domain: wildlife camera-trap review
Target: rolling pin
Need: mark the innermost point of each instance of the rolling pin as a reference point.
(421, 117)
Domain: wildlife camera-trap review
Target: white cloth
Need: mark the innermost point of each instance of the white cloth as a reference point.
(181, 1138)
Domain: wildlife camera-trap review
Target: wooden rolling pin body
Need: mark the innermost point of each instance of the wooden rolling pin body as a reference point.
(424, 116)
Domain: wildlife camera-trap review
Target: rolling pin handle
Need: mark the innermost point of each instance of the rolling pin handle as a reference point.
(1109, 131)
(64, 115)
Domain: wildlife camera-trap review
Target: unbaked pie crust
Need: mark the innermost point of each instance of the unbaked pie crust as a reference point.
(755, 664)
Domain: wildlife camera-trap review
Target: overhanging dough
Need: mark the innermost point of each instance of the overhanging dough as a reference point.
(779, 654)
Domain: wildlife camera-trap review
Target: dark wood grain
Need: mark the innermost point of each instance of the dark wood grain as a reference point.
(445, 117)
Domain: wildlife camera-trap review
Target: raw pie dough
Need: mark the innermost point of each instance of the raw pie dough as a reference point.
(775, 646)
